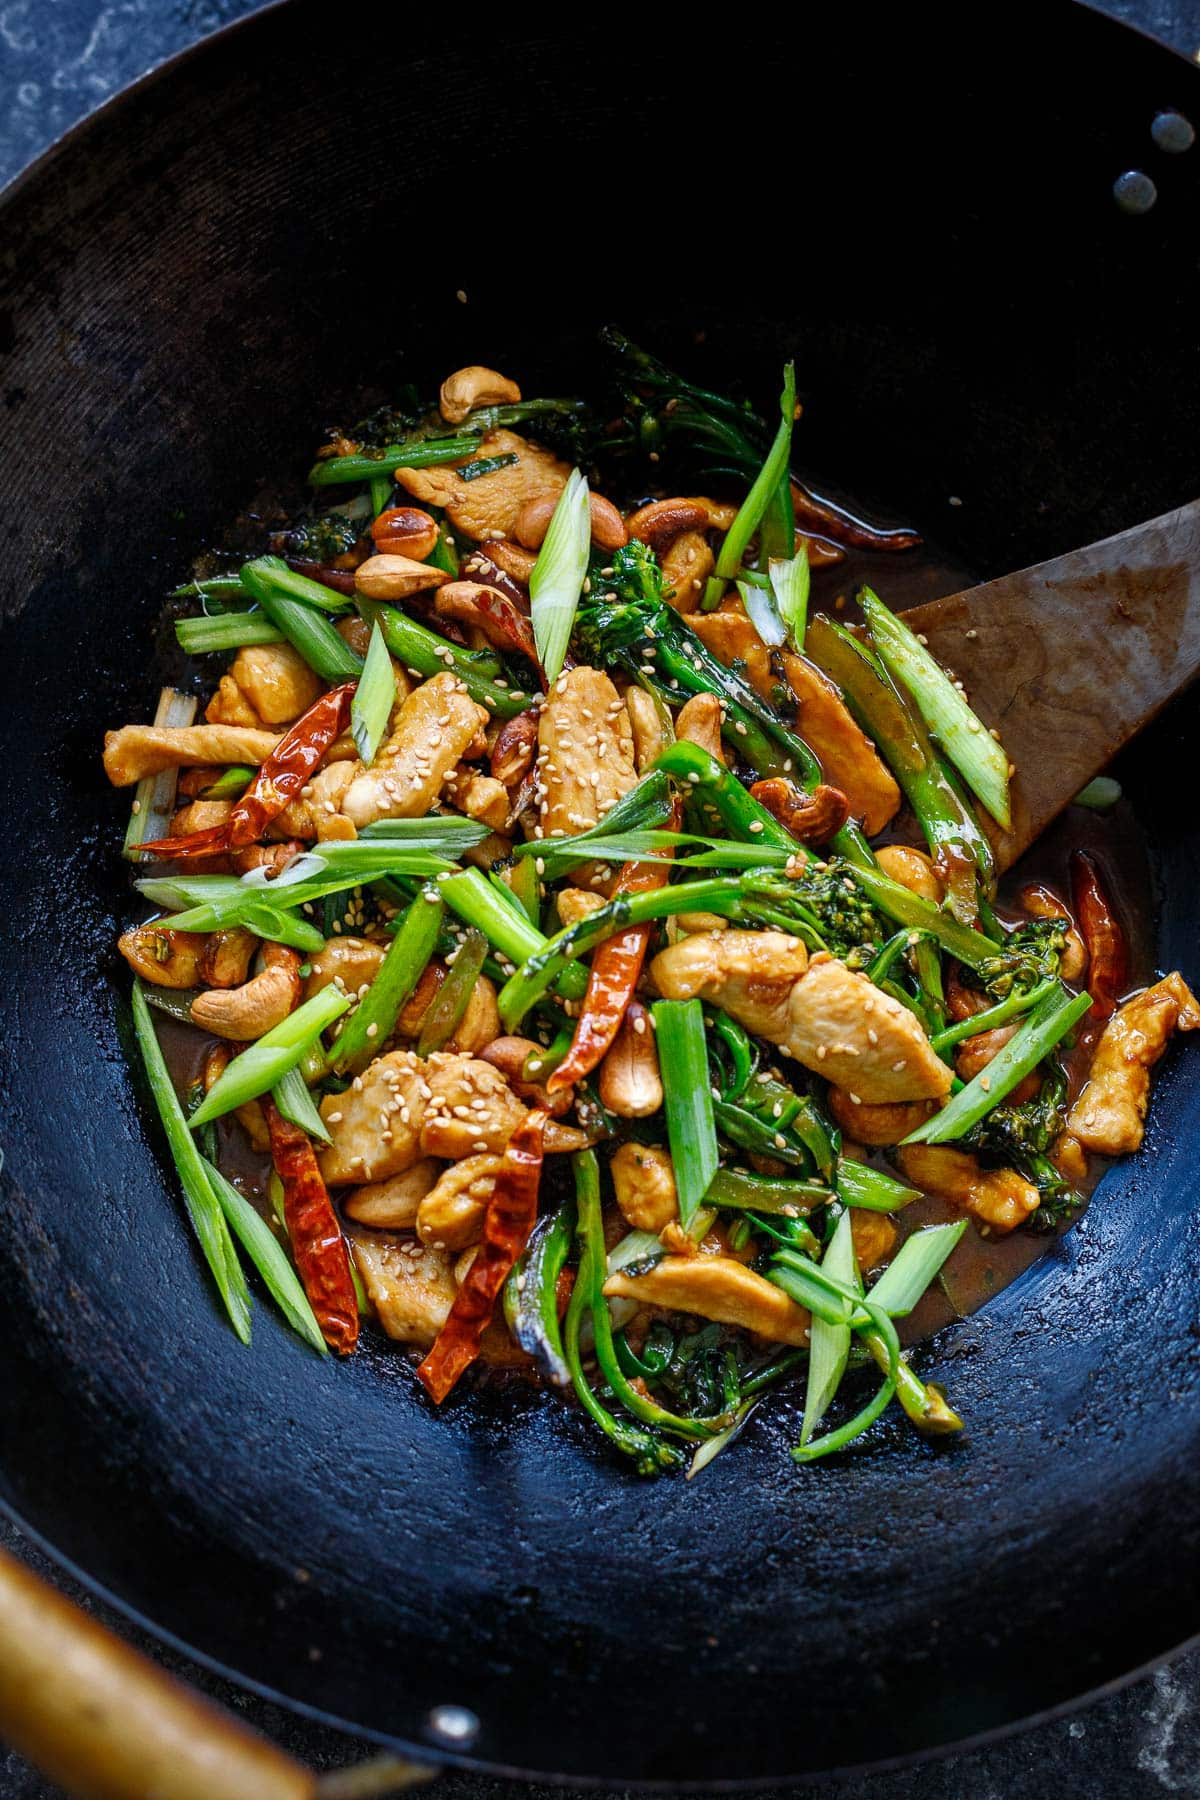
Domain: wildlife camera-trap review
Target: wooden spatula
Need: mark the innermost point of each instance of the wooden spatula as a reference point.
(1070, 659)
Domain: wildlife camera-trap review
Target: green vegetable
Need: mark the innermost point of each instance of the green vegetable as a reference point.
(687, 1099)
(230, 784)
(1019, 1000)
(736, 1191)
(294, 1101)
(791, 580)
(504, 923)
(374, 698)
(324, 539)
(919, 1258)
(374, 1019)
(766, 485)
(1028, 956)
(154, 795)
(276, 573)
(266, 1062)
(449, 1004)
(1044, 1027)
(976, 754)
(418, 648)
(229, 631)
(265, 1252)
(1100, 794)
(858, 1184)
(556, 580)
(203, 1206)
(305, 628)
(647, 805)
(428, 453)
(531, 1293)
(829, 1342)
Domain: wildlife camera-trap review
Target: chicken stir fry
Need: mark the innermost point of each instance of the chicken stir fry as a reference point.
(523, 885)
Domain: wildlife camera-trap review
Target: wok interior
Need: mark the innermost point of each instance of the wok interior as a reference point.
(208, 275)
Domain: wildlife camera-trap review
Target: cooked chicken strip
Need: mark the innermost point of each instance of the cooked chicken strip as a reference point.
(266, 684)
(434, 728)
(749, 973)
(392, 1205)
(1110, 1114)
(138, 750)
(488, 506)
(720, 1288)
(376, 1124)
(411, 1287)
(1000, 1199)
(585, 752)
(847, 756)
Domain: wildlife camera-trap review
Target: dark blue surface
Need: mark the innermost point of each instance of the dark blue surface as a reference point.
(58, 58)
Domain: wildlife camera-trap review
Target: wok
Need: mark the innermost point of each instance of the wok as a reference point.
(917, 203)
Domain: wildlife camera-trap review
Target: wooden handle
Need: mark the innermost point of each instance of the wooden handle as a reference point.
(106, 1724)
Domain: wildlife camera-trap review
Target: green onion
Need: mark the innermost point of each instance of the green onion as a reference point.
(557, 577)
(975, 753)
(918, 1260)
(374, 1020)
(870, 1190)
(706, 1452)
(216, 588)
(306, 629)
(381, 493)
(647, 805)
(766, 483)
(1049, 1022)
(266, 1062)
(294, 1101)
(416, 647)
(229, 631)
(154, 796)
(445, 1013)
(374, 698)
(739, 1192)
(230, 784)
(687, 1099)
(203, 1208)
(428, 453)
(443, 833)
(790, 581)
(1019, 1001)
(853, 1428)
(218, 902)
(506, 926)
(265, 1252)
(1100, 794)
(283, 928)
(531, 1293)
(829, 1343)
(273, 570)
(763, 613)
(918, 914)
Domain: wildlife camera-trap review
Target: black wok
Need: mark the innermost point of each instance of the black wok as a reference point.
(918, 203)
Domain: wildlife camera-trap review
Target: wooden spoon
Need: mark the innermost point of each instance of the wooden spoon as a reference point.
(1070, 659)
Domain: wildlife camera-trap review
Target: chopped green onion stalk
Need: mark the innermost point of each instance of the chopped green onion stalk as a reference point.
(1099, 794)
(374, 698)
(1044, 1027)
(263, 1064)
(687, 1099)
(505, 925)
(557, 578)
(919, 1258)
(871, 1190)
(429, 453)
(374, 1019)
(154, 796)
(274, 571)
(790, 582)
(228, 631)
(766, 484)
(763, 613)
(203, 1207)
(1019, 1001)
(268, 1257)
(448, 1007)
(230, 784)
(306, 629)
(829, 1343)
(416, 647)
(980, 759)
(294, 1101)
(736, 1191)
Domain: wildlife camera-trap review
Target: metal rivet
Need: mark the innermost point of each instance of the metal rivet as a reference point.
(1134, 192)
(455, 1726)
(1173, 133)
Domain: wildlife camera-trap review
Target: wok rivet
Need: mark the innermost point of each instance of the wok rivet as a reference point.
(456, 1726)
(1134, 192)
(1173, 133)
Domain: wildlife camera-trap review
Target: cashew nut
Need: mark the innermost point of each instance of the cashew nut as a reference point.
(1040, 903)
(388, 577)
(912, 869)
(533, 522)
(630, 1082)
(475, 386)
(515, 561)
(169, 959)
(246, 1012)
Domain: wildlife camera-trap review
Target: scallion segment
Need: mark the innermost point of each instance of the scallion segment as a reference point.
(294, 1101)
(687, 1099)
(306, 629)
(791, 580)
(871, 1190)
(754, 506)
(374, 1019)
(416, 647)
(829, 1341)
(154, 796)
(273, 570)
(228, 631)
(203, 1208)
(1043, 1028)
(269, 1258)
(449, 1005)
(374, 698)
(423, 453)
(979, 758)
(263, 1064)
(919, 1258)
(557, 578)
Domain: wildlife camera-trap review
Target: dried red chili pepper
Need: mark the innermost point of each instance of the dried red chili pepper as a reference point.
(613, 977)
(1103, 936)
(498, 617)
(508, 1221)
(288, 769)
(322, 1259)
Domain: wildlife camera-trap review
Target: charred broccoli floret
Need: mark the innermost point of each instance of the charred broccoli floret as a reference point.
(1032, 954)
(320, 540)
(1021, 1138)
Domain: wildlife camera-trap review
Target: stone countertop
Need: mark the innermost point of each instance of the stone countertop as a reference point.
(58, 60)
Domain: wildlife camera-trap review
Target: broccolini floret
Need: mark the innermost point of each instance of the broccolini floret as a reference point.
(1032, 953)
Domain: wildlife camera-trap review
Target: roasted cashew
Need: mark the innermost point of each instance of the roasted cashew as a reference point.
(533, 522)
(630, 1083)
(245, 1013)
(388, 577)
(475, 386)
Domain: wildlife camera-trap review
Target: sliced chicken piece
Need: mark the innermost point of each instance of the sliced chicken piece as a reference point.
(749, 973)
(878, 1125)
(488, 507)
(317, 813)
(847, 756)
(472, 1111)
(686, 566)
(1110, 1114)
(720, 1288)
(270, 683)
(874, 1238)
(376, 1124)
(731, 638)
(351, 962)
(452, 1213)
(585, 752)
(436, 726)
(392, 1205)
(138, 750)
(999, 1199)
(699, 722)
(411, 1287)
(644, 1184)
